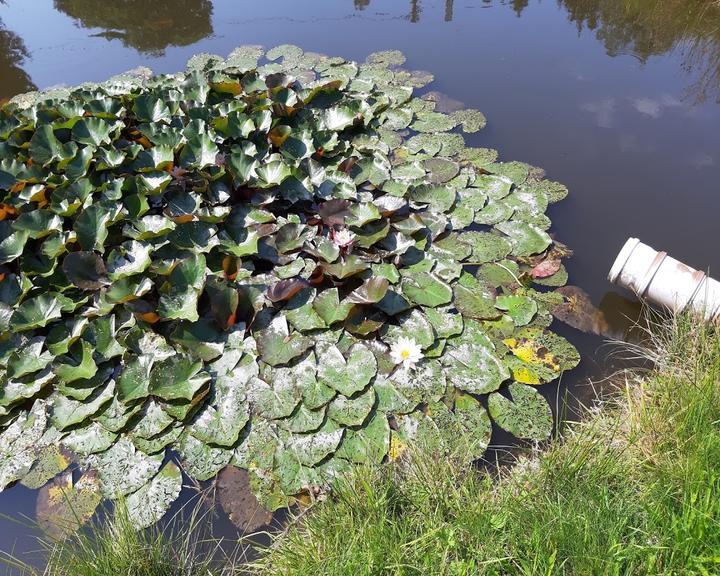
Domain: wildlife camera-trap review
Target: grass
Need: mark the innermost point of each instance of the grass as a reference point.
(112, 547)
(632, 489)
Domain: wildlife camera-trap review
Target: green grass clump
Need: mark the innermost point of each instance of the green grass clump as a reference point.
(632, 489)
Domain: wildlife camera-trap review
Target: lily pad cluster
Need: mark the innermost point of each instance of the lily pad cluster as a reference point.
(211, 268)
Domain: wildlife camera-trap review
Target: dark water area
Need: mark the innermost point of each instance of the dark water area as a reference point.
(616, 99)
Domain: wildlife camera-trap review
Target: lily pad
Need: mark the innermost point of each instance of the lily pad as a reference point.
(150, 503)
(527, 415)
(475, 368)
(369, 444)
(122, 469)
(347, 375)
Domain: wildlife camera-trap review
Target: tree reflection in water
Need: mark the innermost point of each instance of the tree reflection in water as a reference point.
(13, 79)
(643, 28)
(149, 27)
(646, 28)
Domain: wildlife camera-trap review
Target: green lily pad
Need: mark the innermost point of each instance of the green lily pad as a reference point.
(426, 289)
(346, 375)
(526, 239)
(17, 444)
(352, 411)
(150, 502)
(527, 415)
(475, 368)
(486, 247)
(277, 346)
(178, 377)
(521, 309)
(369, 444)
(90, 439)
(200, 460)
(475, 299)
(309, 449)
(67, 412)
(122, 469)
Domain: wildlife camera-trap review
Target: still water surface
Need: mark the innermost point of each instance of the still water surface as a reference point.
(616, 99)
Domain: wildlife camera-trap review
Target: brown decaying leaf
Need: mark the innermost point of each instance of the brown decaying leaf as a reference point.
(150, 317)
(443, 102)
(230, 265)
(347, 164)
(278, 135)
(238, 501)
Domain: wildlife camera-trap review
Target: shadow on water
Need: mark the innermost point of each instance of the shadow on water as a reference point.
(587, 89)
(148, 27)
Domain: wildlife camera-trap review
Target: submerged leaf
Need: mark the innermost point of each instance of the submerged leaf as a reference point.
(63, 506)
(238, 501)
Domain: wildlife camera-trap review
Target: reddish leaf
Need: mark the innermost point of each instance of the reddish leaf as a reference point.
(230, 265)
(546, 268)
(6, 210)
(285, 289)
(317, 277)
(333, 212)
(347, 164)
(150, 317)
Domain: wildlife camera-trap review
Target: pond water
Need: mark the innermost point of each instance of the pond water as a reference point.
(618, 100)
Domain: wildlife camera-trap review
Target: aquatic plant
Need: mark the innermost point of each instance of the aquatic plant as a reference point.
(230, 266)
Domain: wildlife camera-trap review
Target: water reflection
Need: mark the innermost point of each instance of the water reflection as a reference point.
(148, 27)
(415, 11)
(13, 79)
(448, 10)
(642, 28)
(646, 28)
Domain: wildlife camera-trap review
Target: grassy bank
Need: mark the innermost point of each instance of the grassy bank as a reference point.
(633, 489)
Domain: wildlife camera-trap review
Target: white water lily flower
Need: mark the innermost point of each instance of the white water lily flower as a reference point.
(343, 238)
(406, 352)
